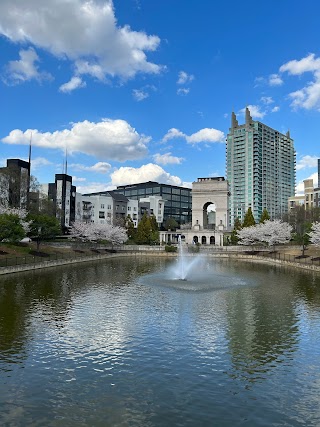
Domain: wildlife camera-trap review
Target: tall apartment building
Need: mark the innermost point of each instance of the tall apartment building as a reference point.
(260, 169)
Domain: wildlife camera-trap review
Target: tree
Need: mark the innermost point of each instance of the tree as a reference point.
(43, 227)
(143, 230)
(154, 235)
(234, 235)
(248, 220)
(249, 235)
(171, 224)
(131, 231)
(90, 232)
(315, 234)
(274, 232)
(11, 229)
(264, 216)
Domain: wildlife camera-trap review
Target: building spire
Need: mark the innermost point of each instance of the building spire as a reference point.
(234, 121)
(248, 117)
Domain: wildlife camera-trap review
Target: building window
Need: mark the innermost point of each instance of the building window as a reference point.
(109, 206)
(101, 214)
(129, 208)
(102, 206)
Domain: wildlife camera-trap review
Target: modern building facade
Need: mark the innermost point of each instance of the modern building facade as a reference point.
(107, 208)
(63, 195)
(14, 183)
(309, 199)
(177, 200)
(260, 164)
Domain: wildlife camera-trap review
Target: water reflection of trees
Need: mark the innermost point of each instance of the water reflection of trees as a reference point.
(263, 327)
(49, 295)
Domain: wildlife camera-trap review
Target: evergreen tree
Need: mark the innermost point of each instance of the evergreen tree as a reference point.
(143, 231)
(234, 235)
(154, 235)
(248, 219)
(171, 224)
(264, 216)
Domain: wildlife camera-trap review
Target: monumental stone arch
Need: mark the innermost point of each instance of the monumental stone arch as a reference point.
(206, 228)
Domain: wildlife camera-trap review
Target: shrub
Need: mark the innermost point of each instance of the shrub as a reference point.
(170, 248)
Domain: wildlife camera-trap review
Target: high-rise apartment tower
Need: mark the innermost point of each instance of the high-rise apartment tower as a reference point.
(260, 169)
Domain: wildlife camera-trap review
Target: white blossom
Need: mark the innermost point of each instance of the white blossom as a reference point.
(315, 234)
(249, 235)
(275, 232)
(94, 232)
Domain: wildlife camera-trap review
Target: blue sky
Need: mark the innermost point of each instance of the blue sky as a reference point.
(140, 90)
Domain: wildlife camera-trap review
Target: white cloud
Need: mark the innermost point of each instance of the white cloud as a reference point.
(184, 78)
(203, 135)
(275, 80)
(300, 185)
(309, 63)
(94, 187)
(78, 179)
(39, 162)
(167, 158)
(206, 135)
(173, 133)
(149, 172)
(307, 162)
(84, 32)
(267, 100)
(139, 95)
(74, 83)
(275, 109)
(183, 91)
(255, 111)
(308, 97)
(24, 69)
(100, 167)
(108, 139)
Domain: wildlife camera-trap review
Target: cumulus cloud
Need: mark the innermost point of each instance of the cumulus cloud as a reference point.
(307, 162)
(308, 97)
(204, 135)
(167, 158)
(74, 83)
(108, 139)
(184, 78)
(84, 32)
(149, 172)
(100, 167)
(275, 80)
(94, 187)
(255, 111)
(24, 69)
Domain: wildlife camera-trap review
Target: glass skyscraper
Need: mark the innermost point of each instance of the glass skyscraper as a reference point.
(260, 169)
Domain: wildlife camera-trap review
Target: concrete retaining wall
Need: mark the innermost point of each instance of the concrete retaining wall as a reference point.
(157, 253)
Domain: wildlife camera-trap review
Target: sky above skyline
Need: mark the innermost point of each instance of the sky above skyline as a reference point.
(139, 90)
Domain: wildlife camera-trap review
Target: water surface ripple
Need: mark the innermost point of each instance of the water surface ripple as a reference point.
(114, 343)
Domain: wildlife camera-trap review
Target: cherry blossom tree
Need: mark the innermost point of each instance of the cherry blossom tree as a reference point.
(274, 232)
(90, 232)
(315, 233)
(249, 235)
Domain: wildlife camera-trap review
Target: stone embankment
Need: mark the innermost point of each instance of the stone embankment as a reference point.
(227, 252)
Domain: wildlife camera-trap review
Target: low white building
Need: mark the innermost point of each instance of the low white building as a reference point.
(107, 208)
(154, 206)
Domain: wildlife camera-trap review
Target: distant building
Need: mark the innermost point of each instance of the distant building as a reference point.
(309, 199)
(63, 195)
(177, 200)
(153, 205)
(260, 169)
(14, 183)
(109, 208)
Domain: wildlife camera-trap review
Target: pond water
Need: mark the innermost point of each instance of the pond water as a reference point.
(112, 344)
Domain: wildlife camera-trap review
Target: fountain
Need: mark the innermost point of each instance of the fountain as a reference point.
(193, 272)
